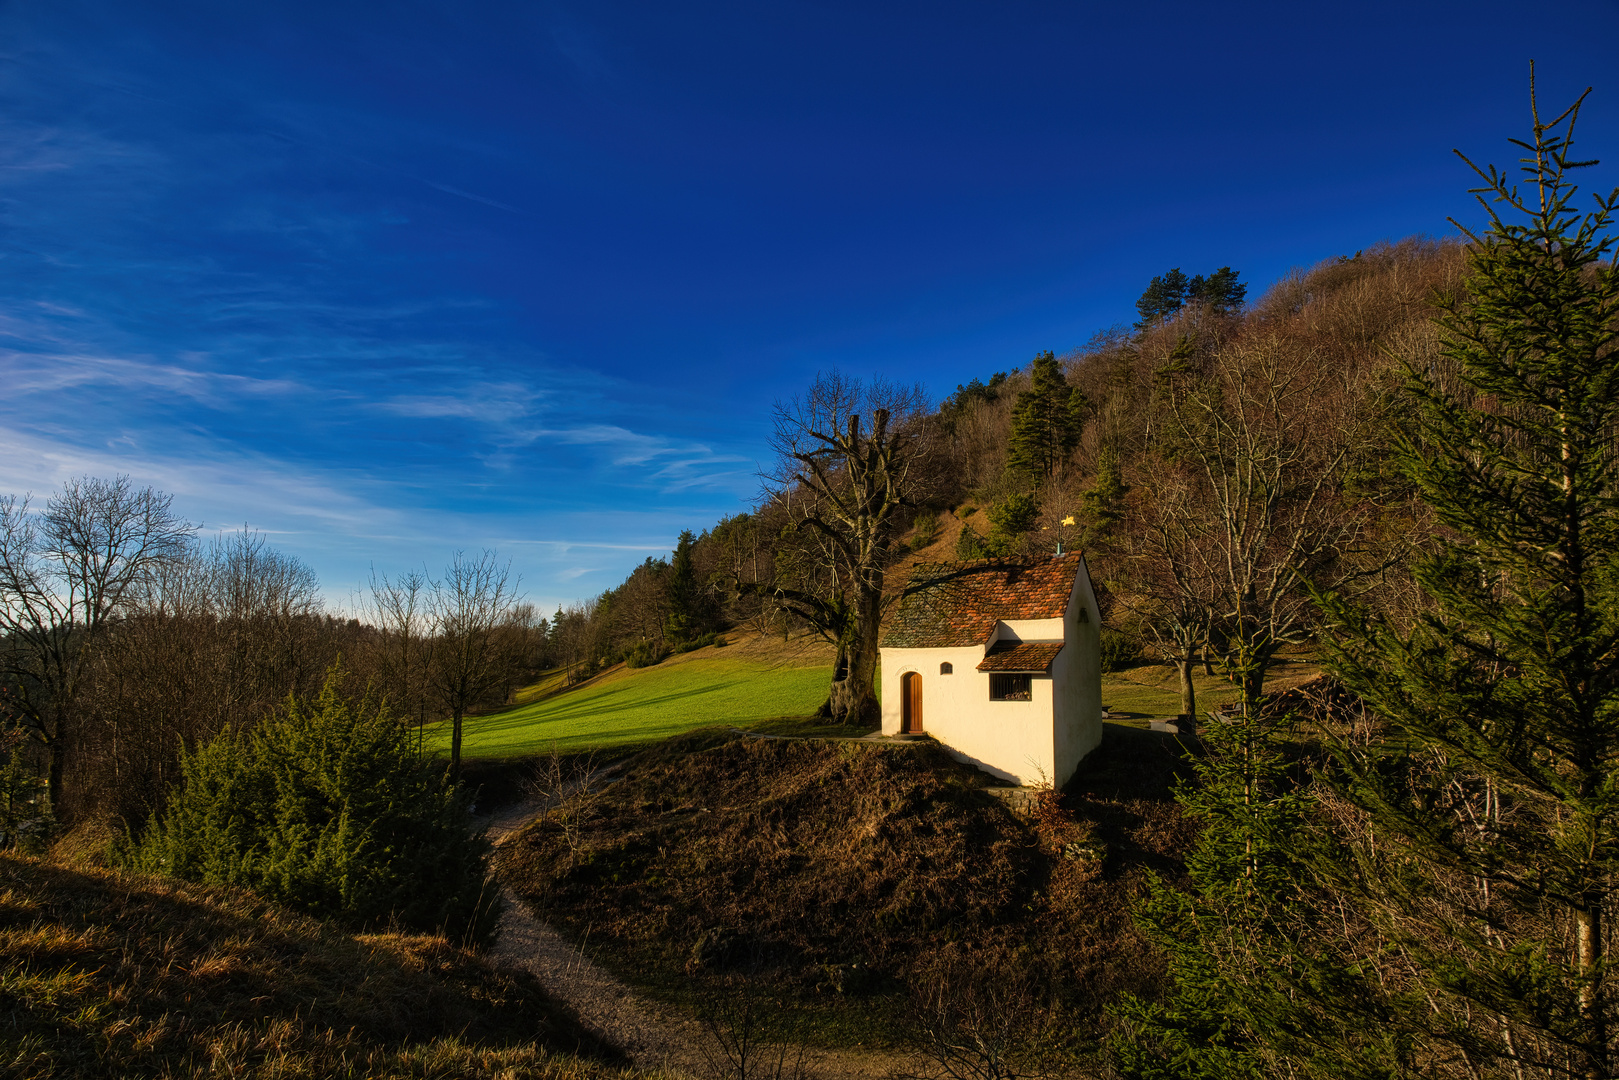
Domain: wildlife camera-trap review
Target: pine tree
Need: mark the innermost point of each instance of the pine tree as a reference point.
(1220, 293)
(1492, 802)
(685, 617)
(1165, 295)
(1011, 520)
(1047, 420)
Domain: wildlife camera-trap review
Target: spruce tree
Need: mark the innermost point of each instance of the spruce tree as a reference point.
(1047, 420)
(685, 615)
(1491, 804)
(1104, 500)
(327, 808)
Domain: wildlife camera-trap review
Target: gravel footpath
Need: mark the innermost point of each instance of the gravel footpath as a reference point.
(654, 1039)
(607, 1006)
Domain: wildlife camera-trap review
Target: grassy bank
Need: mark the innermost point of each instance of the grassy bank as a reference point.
(1149, 690)
(105, 974)
(644, 705)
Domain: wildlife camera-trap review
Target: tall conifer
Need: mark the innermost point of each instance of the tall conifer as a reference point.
(1490, 809)
(1047, 420)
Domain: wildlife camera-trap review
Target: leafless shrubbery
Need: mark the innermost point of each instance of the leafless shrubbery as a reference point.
(978, 1025)
(734, 1046)
(569, 789)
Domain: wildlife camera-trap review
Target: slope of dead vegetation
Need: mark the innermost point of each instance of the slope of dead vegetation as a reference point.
(833, 876)
(103, 974)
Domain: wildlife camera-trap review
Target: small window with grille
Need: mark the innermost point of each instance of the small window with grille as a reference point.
(945, 668)
(1010, 687)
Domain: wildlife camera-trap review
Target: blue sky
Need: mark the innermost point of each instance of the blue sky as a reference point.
(384, 281)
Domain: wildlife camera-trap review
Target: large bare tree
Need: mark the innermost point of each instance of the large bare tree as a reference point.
(65, 575)
(847, 460)
(470, 657)
(1257, 437)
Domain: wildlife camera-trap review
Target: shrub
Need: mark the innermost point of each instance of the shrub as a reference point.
(1119, 650)
(327, 809)
(926, 530)
(702, 641)
(969, 545)
(26, 821)
(645, 654)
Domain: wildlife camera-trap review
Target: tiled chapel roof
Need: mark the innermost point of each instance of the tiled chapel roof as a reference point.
(953, 604)
(1020, 656)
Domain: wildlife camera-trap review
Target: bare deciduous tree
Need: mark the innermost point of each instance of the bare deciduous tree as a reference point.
(65, 575)
(400, 609)
(843, 486)
(470, 656)
(1260, 438)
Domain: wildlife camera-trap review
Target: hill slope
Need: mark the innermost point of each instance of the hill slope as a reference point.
(103, 974)
(753, 679)
(834, 874)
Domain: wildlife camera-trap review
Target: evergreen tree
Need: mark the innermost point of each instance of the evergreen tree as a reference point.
(1104, 501)
(1220, 293)
(685, 602)
(1257, 990)
(1010, 521)
(1165, 295)
(328, 809)
(1047, 420)
(1492, 803)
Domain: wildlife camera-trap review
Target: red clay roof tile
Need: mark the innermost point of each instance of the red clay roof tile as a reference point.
(1032, 656)
(953, 604)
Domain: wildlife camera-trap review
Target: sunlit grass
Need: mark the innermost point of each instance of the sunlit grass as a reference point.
(639, 706)
(1153, 691)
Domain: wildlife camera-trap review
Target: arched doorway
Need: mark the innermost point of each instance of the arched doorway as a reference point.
(910, 709)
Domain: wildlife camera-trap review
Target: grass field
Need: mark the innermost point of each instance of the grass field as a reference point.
(743, 685)
(1151, 690)
(642, 706)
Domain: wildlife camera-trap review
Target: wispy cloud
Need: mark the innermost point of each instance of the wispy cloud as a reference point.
(499, 403)
(448, 190)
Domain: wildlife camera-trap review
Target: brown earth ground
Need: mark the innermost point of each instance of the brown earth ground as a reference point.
(827, 878)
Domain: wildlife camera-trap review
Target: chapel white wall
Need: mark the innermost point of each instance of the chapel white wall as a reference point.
(1011, 740)
(1076, 677)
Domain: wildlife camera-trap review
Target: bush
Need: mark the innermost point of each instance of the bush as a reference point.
(645, 654)
(26, 821)
(1119, 650)
(926, 530)
(327, 809)
(700, 642)
(969, 545)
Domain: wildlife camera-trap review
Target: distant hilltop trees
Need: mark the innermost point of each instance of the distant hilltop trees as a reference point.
(1220, 293)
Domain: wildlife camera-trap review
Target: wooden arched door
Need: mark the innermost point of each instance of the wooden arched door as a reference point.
(910, 709)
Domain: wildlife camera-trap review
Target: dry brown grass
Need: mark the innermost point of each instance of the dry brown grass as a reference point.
(835, 873)
(104, 974)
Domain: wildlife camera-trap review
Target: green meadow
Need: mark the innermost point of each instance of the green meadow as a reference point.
(640, 706)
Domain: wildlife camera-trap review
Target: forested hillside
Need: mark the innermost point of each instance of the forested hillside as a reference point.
(1136, 438)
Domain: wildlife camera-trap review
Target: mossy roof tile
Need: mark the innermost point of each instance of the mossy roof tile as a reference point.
(1031, 656)
(947, 605)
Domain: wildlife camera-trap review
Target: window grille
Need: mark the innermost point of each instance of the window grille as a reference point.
(945, 668)
(1011, 687)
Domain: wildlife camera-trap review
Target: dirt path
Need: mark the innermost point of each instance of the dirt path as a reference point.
(652, 1035)
(652, 1039)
